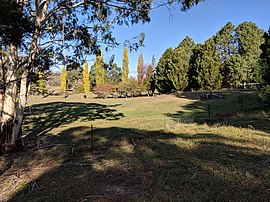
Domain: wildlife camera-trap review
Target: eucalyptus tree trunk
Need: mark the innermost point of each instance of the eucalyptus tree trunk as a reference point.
(12, 114)
(9, 98)
(2, 83)
(41, 10)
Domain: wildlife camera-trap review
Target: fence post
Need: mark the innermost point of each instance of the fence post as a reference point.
(92, 137)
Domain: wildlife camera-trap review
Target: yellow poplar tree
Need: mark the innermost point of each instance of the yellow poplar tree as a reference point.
(63, 79)
(86, 80)
(100, 73)
(40, 82)
(125, 69)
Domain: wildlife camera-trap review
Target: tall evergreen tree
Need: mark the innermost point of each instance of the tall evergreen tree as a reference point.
(125, 69)
(188, 44)
(193, 72)
(225, 46)
(207, 65)
(164, 68)
(265, 57)
(179, 73)
(100, 72)
(86, 78)
(140, 70)
(249, 38)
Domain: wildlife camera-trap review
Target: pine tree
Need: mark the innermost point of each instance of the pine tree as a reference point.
(140, 70)
(86, 80)
(265, 57)
(63, 79)
(125, 69)
(249, 38)
(164, 67)
(193, 72)
(224, 41)
(207, 65)
(188, 44)
(179, 73)
(100, 72)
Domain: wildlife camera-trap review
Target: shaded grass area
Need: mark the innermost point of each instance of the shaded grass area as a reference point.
(134, 157)
(44, 117)
(239, 108)
(137, 165)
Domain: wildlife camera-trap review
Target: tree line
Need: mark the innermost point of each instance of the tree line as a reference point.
(229, 59)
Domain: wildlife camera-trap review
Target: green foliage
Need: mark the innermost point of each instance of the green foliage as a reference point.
(130, 87)
(179, 73)
(79, 88)
(92, 76)
(164, 69)
(125, 69)
(224, 40)
(140, 70)
(173, 67)
(264, 94)
(63, 79)
(100, 72)
(14, 22)
(188, 44)
(265, 57)
(236, 74)
(207, 65)
(74, 75)
(149, 77)
(113, 73)
(193, 72)
(86, 81)
(249, 38)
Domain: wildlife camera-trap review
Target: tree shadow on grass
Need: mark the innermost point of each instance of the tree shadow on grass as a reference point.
(239, 109)
(136, 165)
(44, 117)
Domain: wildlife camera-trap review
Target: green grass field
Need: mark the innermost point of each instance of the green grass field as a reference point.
(164, 148)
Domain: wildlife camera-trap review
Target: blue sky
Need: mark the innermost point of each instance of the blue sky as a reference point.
(168, 28)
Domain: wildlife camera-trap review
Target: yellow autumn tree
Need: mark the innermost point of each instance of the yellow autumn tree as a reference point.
(63, 79)
(86, 80)
(40, 83)
(125, 69)
(100, 72)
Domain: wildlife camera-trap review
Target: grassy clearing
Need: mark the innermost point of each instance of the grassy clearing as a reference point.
(146, 149)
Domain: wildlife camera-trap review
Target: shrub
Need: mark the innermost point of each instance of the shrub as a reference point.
(264, 94)
(103, 90)
(80, 88)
